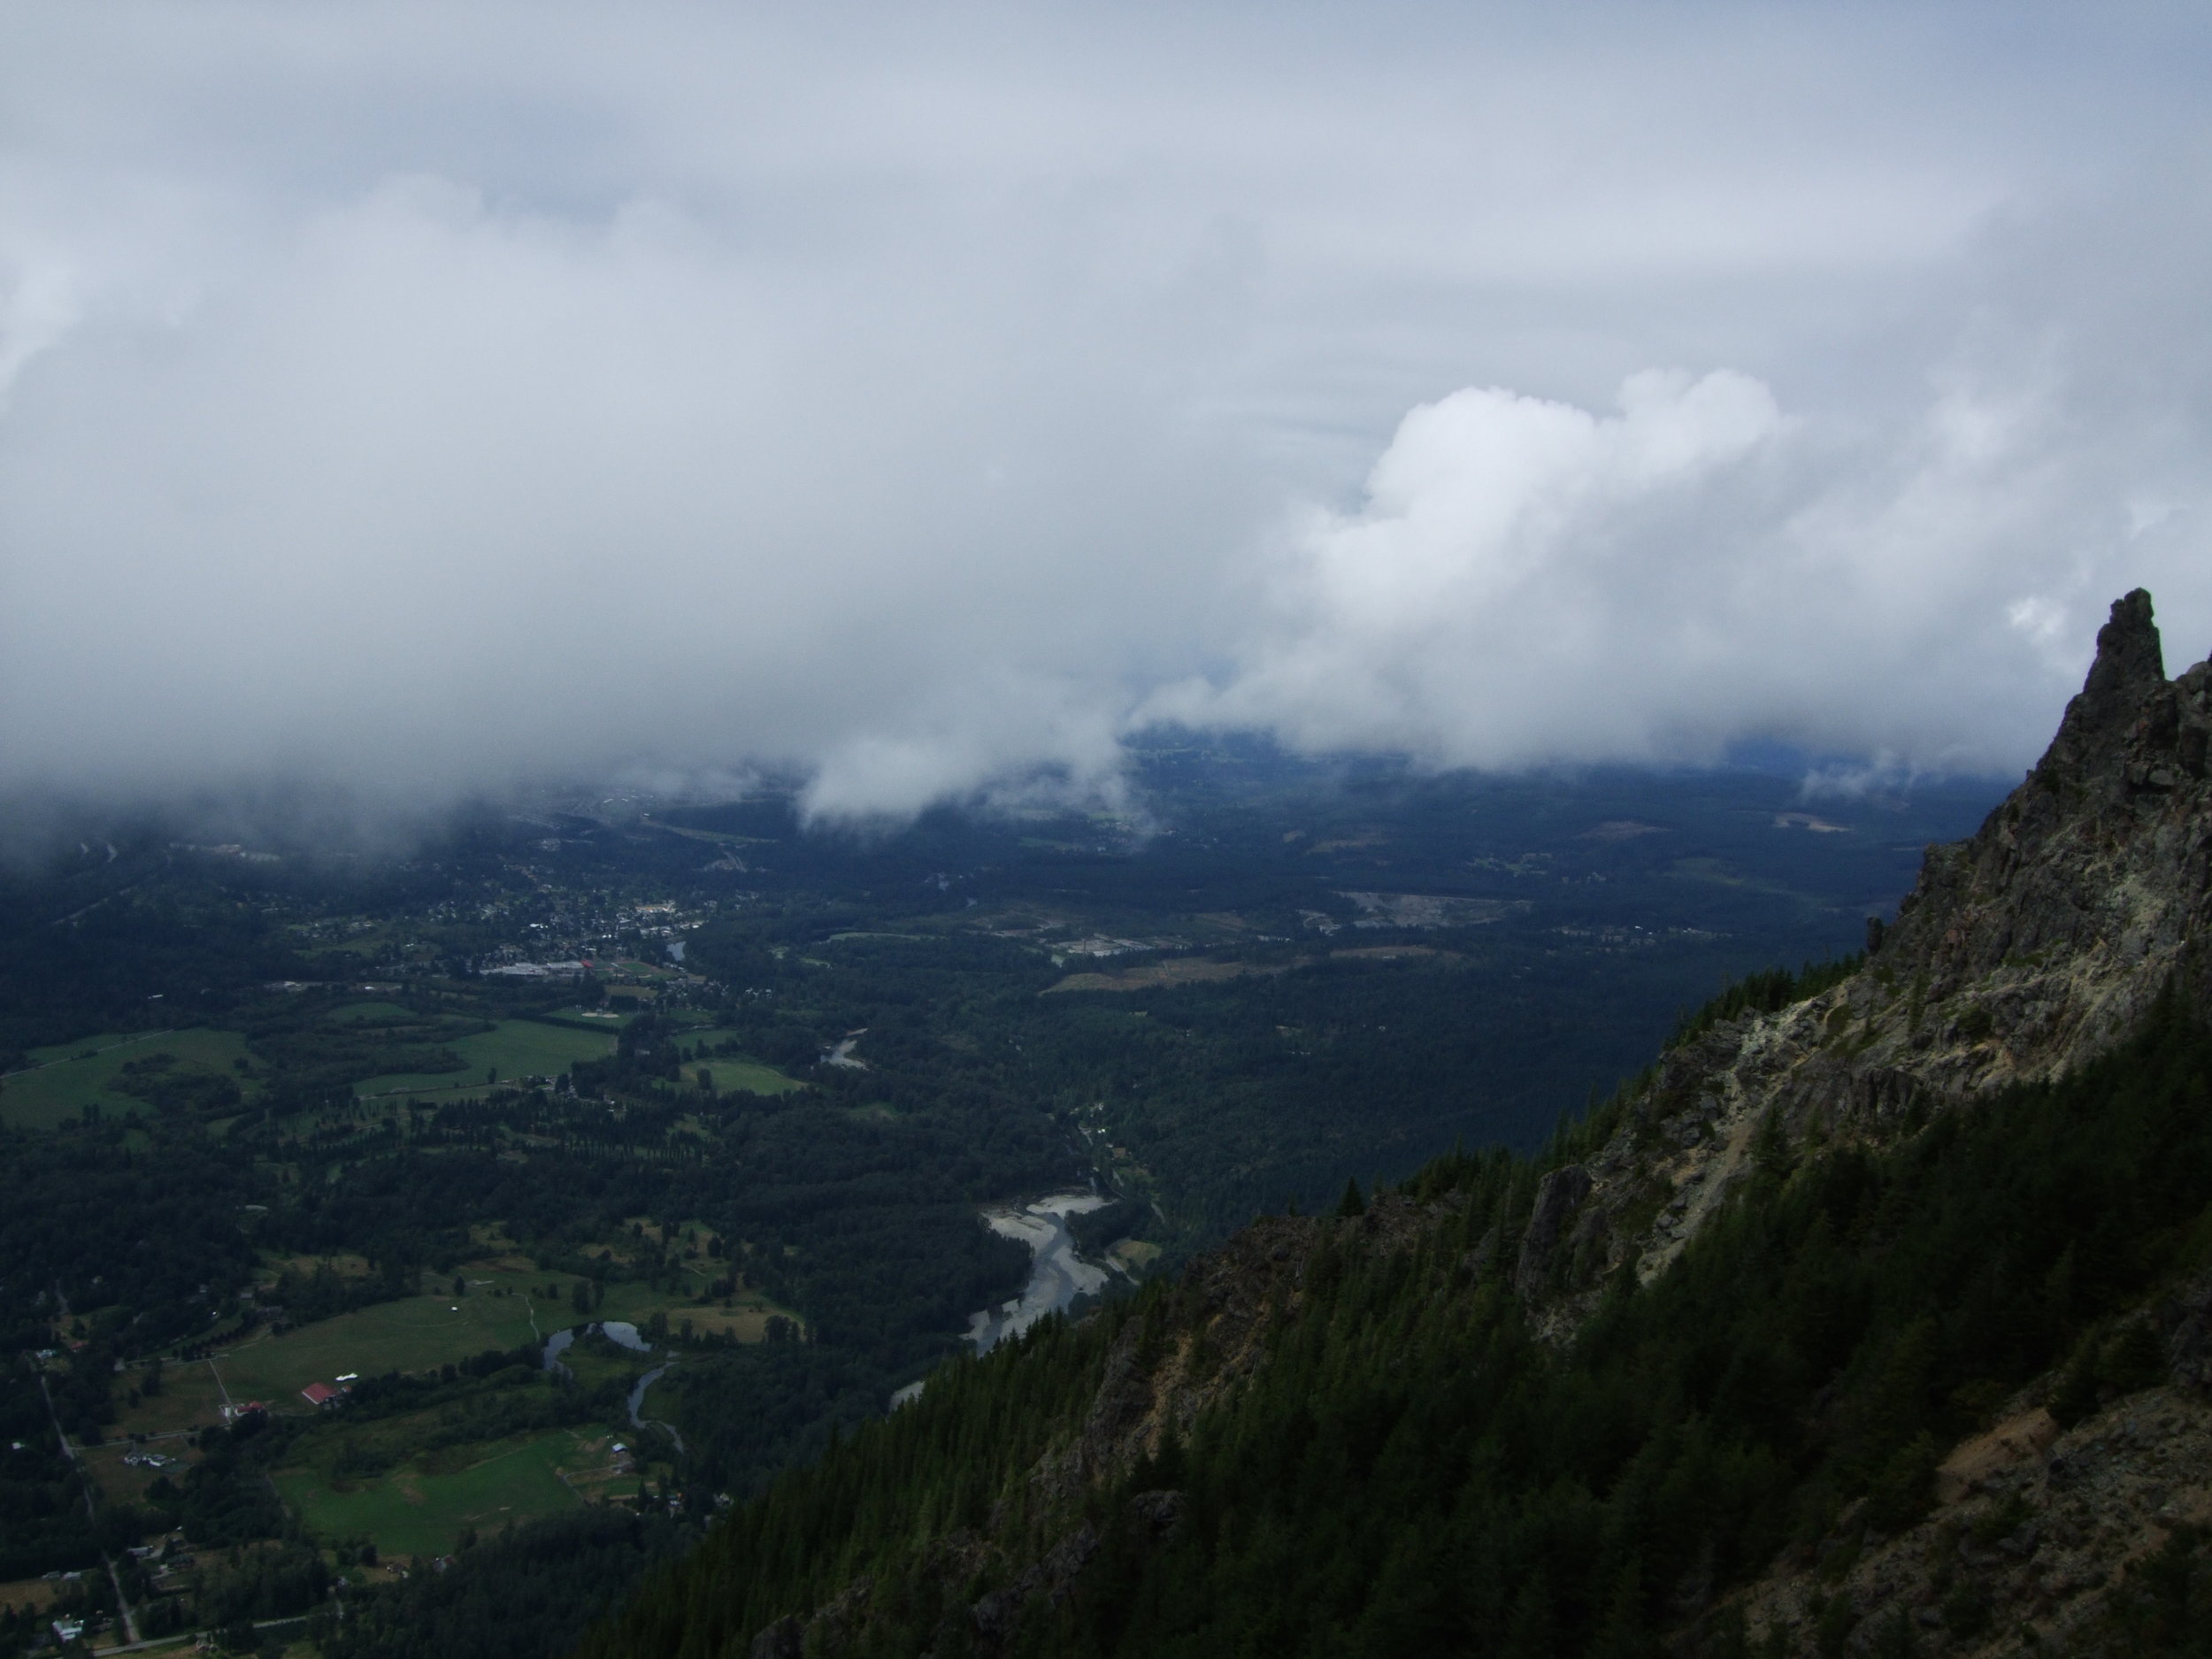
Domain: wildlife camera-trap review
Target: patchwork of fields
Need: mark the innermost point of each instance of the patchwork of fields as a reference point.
(516, 1049)
(407, 1500)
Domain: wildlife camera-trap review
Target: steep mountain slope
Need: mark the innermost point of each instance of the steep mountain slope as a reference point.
(2022, 953)
(1876, 1317)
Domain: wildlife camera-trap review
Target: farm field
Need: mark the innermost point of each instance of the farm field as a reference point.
(73, 1076)
(189, 1399)
(122, 1482)
(746, 1319)
(415, 1334)
(36, 1593)
(518, 1049)
(413, 1511)
(1151, 975)
(729, 1072)
(420, 1332)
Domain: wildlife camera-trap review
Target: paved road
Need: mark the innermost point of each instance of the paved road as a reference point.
(84, 1487)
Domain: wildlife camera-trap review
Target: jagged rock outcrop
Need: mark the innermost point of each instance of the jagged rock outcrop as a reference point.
(2023, 951)
(2044, 1529)
(1558, 1195)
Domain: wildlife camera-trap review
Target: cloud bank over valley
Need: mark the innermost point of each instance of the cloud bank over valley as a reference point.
(424, 399)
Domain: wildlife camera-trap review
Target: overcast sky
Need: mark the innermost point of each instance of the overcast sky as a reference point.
(425, 397)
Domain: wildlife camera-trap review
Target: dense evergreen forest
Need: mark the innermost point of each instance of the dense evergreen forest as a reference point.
(1412, 1471)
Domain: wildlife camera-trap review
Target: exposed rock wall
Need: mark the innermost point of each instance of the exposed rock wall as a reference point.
(2037, 1535)
(2022, 952)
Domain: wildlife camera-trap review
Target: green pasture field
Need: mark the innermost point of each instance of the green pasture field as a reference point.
(87, 1044)
(420, 1332)
(120, 1482)
(630, 1300)
(64, 1084)
(189, 1399)
(517, 1048)
(730, 1073)
(414, 1333)
(746, 1317)
(413, 1511)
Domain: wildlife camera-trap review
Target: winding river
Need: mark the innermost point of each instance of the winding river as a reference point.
(1057, 1275)
(622, 1333)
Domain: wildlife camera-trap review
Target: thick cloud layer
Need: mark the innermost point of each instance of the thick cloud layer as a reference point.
(424, 398)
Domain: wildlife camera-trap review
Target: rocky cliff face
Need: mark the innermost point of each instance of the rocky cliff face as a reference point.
(2021, 953)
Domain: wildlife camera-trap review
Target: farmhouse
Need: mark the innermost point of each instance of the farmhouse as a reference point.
(319, 1395)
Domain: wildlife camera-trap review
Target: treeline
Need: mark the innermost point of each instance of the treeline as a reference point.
(1767, 992)
(520, 1595)
(43, 1523)
(144, 1244)
(1412, 1472)
(143, 940)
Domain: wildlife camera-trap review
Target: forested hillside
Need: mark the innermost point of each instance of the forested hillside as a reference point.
(1874, 1316)
(1346, 1435)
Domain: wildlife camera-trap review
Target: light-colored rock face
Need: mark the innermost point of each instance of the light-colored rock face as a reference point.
(2034, 1539)
(2024, 951)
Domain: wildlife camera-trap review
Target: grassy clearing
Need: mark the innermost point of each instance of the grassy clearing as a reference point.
(415, 1512)
(38, 1594)
(345, 1264)
(121, 1482)
(421, 1332)
(86, 1047)
(1173, 970)
(415, 1334)
(517, 1048)
(746, 1317)
(594, 1469)
(746, 1320)
(730, 1073)
(76, 1075)
(189, 1399)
